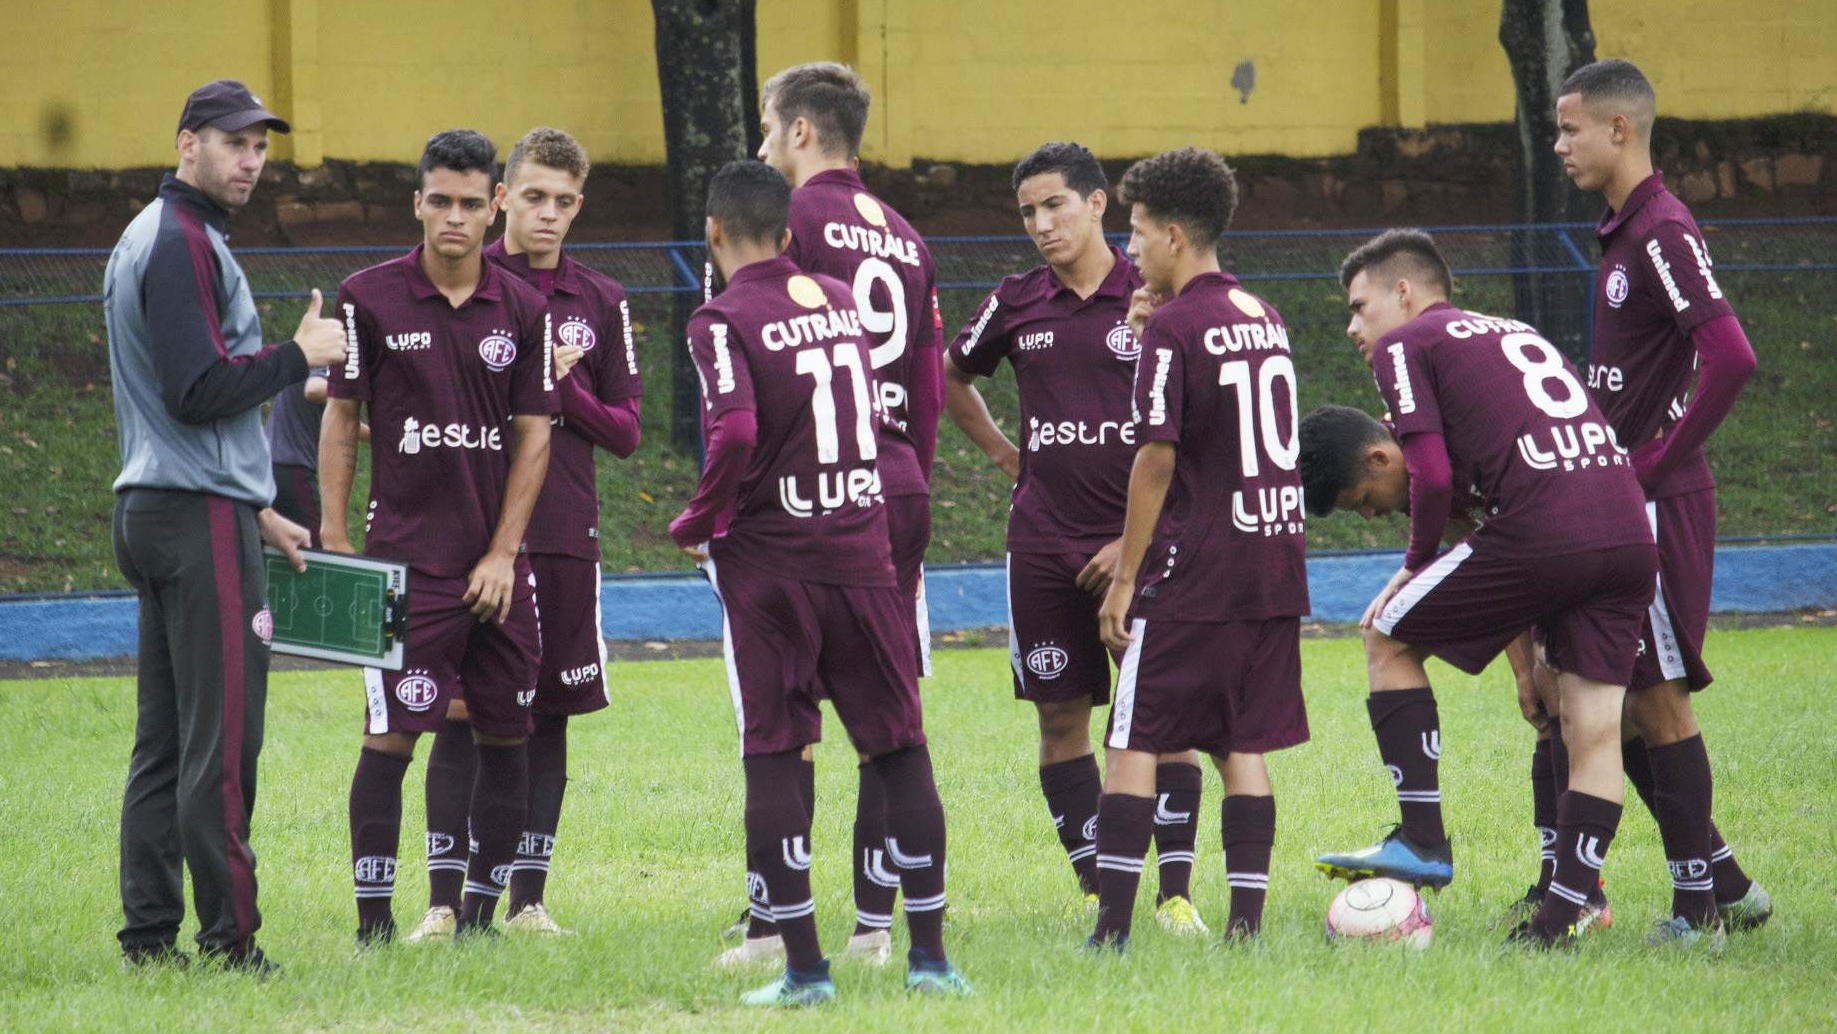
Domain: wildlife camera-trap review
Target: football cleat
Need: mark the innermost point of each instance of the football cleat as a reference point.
(1178, 916)
(251, 962)
(1091, 902)
(1524, 935)
(1751, 911)
(875, 947)
(752, 952)
(1114, 945)
(1396, 857)
(146, 956)
(533, 918)
(438, 924)
(1521, 910)
(1596, 915)
(928, 976)
(1678, 932)
(794, 990)
(737, 929)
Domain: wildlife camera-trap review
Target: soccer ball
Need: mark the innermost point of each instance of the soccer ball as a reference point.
(1380, 910)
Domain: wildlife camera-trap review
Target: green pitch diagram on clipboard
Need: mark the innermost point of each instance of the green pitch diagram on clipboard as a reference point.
(349, 609)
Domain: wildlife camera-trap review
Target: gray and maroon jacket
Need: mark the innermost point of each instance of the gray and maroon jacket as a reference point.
(186, 354)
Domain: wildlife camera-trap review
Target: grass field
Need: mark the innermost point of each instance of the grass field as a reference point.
(648, 871)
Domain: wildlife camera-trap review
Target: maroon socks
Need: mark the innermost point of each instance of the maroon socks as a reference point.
(1585, 827)
(1072, 789)
(499, 798)
(376, 833)
(1177, 789)
(1410, 743)
(548, 780)
(1248, 826)
(452, 768)
(1124, 826)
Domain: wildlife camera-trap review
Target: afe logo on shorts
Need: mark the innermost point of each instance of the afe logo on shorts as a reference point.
(1122, 343)
(1047, 661)
(417, 691)
(575, 331)
(1617, 287)
(263, 625)
(497, 350)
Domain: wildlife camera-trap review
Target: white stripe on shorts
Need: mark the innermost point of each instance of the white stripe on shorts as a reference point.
(1122, 711)
(924, 629)
(1014, 642)
(1664, 637)
(376, 702)
(1416, 588)
(599, 632)
(727, 654)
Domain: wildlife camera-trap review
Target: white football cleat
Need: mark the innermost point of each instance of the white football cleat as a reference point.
(533, 918)
(754, 951)
(437, 925)
(874, 947)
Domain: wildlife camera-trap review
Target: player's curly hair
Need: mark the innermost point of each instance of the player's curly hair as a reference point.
(549, 147)
(1400, 251)
(830, 95)
(1189, 186)
(1075, 162)
(1332, 459)
(751, 200)
(461, 150)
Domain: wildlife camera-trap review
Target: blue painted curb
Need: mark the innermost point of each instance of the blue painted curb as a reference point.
(1749, 580)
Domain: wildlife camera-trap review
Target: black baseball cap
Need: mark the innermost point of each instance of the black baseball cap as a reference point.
(228, 105)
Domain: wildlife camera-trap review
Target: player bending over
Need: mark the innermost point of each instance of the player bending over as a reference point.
(1063, 327)
(451, 357)
(804, 574)
(1212, 536)
(1485, 403)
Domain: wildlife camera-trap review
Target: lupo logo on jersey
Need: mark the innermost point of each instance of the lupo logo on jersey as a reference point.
(574, 331)
(1047, 661)
(417, 690)
(1617, 287)
(498, 350)
(1122, 343)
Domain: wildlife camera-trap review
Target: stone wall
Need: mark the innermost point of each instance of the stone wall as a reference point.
(1446, 174)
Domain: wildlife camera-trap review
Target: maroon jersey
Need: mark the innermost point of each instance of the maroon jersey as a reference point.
(1074, 363)
(589, 309)
(840, 230)
(442, 385)
(790, 347)
(1216, 379)
(1654, 288)
(1521, 431)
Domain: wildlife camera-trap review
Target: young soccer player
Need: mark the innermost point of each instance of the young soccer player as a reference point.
(451, 357)
(1484, 402)
(1212, 538)
(591, 321)
(804, 573)
(1659, 319)
(812, 118)
(1063, 327)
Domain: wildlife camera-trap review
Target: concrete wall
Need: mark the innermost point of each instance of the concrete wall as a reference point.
(98, 83)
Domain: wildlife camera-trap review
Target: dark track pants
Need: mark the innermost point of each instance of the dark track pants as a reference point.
(196, 561)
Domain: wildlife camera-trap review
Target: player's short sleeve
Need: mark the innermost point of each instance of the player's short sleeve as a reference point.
(983, 342)
(1680, 275)
(720, 365)
(1404, 378)
(1160, 386)
(363, 346)
(618, 377)
(532, 372)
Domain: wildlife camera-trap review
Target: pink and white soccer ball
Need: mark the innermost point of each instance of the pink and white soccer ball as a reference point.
(1380, 910)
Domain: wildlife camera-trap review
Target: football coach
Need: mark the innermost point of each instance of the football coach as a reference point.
(190, 373)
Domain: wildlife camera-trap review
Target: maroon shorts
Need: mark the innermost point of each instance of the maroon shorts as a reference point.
(1053, 645)
(909, 528)
(789, 643)
(1671, 643)
(451, 654)
(572, 677)
(1229, 687)
(1467, 605)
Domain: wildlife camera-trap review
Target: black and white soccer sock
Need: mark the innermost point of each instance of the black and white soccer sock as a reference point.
(1072, 789)
(916, 843)
(1178, 786)
(876, 884)
(778, 854)
(1248, 831)
(1543, 812)
(500, 796)
(1410, 743)
(1585, 828)
(1125, 824)
(548, 781)
(452, 768)
(376, 833)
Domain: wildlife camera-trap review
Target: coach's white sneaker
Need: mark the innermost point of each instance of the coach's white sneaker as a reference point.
(874, 947)
(754, 951)
(533, 918)
(437, 925)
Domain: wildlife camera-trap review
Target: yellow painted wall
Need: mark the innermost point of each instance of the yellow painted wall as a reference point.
(961, 80)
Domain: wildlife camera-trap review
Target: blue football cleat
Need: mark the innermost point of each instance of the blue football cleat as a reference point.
(793, 989)
(1396, 857)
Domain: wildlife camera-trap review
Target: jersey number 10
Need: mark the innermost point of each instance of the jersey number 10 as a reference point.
(1236, 374)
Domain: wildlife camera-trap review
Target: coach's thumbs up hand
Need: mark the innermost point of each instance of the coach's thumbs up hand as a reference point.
(322, 339)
